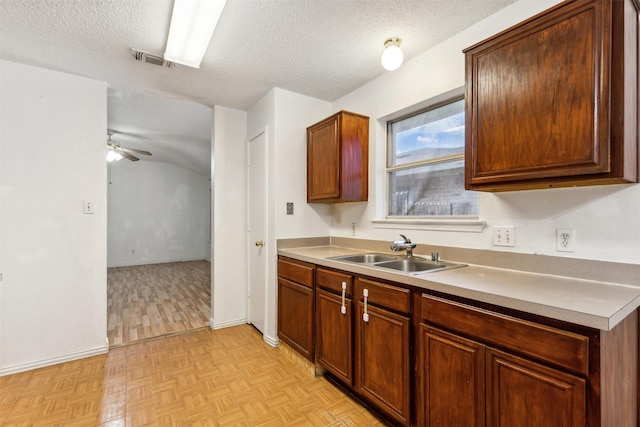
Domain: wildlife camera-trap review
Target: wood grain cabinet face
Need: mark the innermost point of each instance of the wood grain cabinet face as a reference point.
(527, 394)
(552, 102)
(296, 306)
(338, 159)
(382, 351)
(466, 381)
(335, 334)
(451, 380)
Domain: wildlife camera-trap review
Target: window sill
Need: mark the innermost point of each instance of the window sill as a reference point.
(444, 224)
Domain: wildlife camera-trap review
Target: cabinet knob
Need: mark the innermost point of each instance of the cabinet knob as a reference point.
(260, 243)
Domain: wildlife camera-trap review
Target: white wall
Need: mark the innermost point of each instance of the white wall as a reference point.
(228, 169)
(286, 115)
(52, 134)
(605, 218)
(158, 212)
(293, 114)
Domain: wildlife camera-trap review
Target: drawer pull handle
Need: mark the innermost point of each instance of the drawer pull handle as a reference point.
(343, 307)
(365, 316)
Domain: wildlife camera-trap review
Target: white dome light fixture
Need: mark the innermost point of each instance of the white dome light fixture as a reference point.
(392, 56)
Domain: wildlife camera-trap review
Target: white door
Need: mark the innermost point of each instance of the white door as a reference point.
(257, 230)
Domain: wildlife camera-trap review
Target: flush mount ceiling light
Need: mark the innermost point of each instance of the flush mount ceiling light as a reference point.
(192, 25)
(392, 56)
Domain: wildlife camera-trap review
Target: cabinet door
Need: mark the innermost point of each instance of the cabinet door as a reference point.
(323, 161)
(295, 316)
(526, 394)
(383, 370)
(545, 104)
(451, 380)
(334, 335)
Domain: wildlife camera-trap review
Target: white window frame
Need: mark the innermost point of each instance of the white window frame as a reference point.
(437, 223)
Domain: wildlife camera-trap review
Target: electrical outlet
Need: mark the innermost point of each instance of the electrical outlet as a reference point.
(289, 208)
(504, 236)
(565, 240)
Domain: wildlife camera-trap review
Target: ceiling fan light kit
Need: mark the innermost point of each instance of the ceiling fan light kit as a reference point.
(392, 55)
(113, 156)
(115, 152)
(192, 25)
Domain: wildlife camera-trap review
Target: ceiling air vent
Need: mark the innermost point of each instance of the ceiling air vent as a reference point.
(142, 56)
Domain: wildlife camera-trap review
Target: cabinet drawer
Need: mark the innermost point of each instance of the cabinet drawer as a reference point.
(384, 295)
(332, 281)
(297, 271)
(562, 348)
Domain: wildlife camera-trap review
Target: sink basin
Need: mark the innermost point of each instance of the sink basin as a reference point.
(411, 265)
(366, 258)
(414, 265)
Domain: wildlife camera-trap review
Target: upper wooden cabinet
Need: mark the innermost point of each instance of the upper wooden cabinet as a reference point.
(338, 159)
(553, 102)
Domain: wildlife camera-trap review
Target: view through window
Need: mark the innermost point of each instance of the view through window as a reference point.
(425, 164)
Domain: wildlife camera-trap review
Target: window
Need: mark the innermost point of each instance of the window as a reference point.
(425, 164)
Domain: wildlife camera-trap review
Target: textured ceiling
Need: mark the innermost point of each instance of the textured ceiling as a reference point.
(320, 48)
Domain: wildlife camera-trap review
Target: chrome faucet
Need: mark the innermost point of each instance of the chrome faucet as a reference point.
(403, 245)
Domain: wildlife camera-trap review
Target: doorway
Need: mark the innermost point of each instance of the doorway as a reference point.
(158, 222)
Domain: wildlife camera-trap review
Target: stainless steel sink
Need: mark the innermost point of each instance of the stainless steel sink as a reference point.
(367, 258)
(412, 265)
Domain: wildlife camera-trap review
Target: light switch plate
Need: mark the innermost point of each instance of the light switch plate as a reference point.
(87, 207)
(504, 236)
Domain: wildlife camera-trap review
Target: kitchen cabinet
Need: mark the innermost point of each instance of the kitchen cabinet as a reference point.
(383, 345)
(334, 323)
(452, 372)
(528, 394)
(375, 363)
(552, 102)
(477, 367)
(338, 159)
(441, 360)
(296, 305)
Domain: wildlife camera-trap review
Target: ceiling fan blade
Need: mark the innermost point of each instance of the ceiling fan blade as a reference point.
(128, 156)
(146, 153)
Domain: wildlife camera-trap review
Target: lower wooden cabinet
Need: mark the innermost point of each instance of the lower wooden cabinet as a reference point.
(527, 394)
(465, 383)
(334, 334)
(364, 339)
(451, 380)
(296, 305)
(465, 380)
(428, 360)
(383, 344)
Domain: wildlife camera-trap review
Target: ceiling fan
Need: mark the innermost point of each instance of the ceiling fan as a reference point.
(115, 152)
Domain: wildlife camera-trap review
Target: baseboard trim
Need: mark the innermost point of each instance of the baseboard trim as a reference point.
(273, 342)
(227, 324)
(134, 263)
(53, 361)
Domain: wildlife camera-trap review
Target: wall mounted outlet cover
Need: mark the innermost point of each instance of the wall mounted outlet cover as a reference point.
(289, 208)
(565, 240)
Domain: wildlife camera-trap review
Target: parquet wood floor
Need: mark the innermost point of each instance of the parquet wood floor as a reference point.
(227, 377)
(146, 301)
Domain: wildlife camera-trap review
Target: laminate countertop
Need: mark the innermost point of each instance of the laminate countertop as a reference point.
(598, 305)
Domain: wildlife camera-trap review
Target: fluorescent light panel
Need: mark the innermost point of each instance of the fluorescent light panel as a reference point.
(192, 25)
